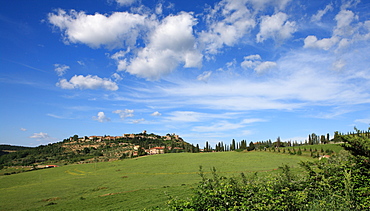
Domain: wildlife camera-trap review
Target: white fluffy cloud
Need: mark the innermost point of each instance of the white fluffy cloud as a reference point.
(344, 19)
(227, 23)
(171, 43)
(116, 77)
(120, 59)
(87, 82)
(40, 135)
(254, 62)
(325, 44)
(101, 117)
(276, 27)
(346, 31)
(95, 30)
(124, 113)
(61, 69)
(156, 113)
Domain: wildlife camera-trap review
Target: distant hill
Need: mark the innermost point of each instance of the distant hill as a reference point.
(93, 149)
(6, 149)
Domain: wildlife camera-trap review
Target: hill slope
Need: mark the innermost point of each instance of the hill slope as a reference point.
(94, 149)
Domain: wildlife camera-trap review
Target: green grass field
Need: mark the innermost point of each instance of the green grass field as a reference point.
(335, 147)
(131, 184)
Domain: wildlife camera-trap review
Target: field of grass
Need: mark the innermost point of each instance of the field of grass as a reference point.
(334, 147)
(321, 149)
(131, 184)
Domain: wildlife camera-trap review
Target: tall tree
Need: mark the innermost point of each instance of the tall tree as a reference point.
(251, 146)
(141, 151)
(327, 137)
(232, 147)
(278, 141)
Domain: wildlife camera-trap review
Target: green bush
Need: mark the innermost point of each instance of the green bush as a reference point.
(245, 193)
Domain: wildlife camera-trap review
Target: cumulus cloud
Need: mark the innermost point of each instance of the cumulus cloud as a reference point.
(124, 113)
(344, 19)
(61, 69)
(101, 117)
(276, 27)
(254, 62)
(96, 30)
(325, 44)
(121, 59)
(345, 32)
(40, 135)
(23, 129)
(264, 66)
(156, 113)
(116, 77)
(168, 42)
(227, 22)
(87, 82)
(230, 21)
(171, 43)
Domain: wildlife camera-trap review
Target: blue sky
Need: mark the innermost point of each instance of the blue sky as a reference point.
(206, 70)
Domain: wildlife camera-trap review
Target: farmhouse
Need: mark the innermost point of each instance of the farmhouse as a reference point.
(324, 156)
(156, 150)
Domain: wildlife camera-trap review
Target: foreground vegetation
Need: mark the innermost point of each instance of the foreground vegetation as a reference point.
(339, 183)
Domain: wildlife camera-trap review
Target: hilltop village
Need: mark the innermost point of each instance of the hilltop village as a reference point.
(127, 145)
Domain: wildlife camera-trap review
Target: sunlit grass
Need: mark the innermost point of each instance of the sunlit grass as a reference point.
(128, 184)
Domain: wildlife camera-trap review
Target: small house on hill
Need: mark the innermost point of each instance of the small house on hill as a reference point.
(157, 150)
(324, 156)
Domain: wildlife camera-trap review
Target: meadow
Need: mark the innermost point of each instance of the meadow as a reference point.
(131, 184)
(319, 147)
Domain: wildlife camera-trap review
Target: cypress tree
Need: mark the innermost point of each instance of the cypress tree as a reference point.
(299, 151)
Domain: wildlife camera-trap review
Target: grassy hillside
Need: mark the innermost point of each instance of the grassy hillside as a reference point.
(89, 149)
(310, 150)
(127, 184)
(319, 147)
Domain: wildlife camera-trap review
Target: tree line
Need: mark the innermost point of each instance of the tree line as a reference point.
(313, 139)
